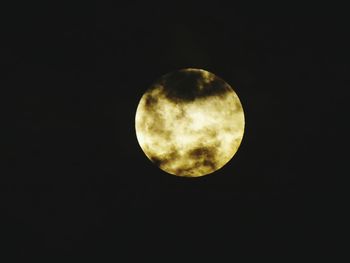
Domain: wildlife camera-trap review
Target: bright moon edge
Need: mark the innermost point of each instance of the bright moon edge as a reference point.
(190, 138)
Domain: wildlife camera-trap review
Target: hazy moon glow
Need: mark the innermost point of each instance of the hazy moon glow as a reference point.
(189, 123)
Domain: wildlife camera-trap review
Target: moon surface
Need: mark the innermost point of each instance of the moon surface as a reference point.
(189, 123)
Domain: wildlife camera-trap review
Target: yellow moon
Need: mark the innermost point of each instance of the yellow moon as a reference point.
(189, 123)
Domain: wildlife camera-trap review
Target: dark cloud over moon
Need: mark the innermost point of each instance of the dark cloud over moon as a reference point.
(189, 85)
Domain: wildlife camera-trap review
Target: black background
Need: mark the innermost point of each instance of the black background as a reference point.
(78, 182)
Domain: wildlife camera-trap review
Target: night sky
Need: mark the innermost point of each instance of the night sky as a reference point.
(77, 182)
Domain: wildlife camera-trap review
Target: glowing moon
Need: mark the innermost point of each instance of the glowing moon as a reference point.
(189, 123)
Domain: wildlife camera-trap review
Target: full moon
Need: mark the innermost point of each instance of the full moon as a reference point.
(189, 123)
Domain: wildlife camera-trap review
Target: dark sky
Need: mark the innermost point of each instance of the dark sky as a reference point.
(79, 184)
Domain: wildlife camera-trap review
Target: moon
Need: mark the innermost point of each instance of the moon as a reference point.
(189, 123)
